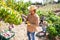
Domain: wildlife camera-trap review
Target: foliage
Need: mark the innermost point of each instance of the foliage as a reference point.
(52, 31)
(53, 20)
(18, 6)
(9, 15)
(57, 25)
(10, 10)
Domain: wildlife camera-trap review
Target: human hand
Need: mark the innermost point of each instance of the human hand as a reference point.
(28, 23)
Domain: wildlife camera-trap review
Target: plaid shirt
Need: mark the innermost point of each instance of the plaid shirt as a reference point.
(34, 21)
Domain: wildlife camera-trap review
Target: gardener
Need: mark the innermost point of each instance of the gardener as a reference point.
(32, 22)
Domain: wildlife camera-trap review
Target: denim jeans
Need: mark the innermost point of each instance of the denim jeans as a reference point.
(31, 35)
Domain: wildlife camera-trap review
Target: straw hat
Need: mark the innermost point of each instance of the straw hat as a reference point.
(32, 7)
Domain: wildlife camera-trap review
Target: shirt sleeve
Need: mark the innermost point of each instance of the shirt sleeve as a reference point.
(37, 21)
(27, 18)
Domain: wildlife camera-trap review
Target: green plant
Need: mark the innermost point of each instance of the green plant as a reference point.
(10, 16)
(10, 10)
(57, 26)
(52, 32)
(18, 6)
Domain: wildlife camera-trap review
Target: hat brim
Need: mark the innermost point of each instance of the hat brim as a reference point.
(32, 8)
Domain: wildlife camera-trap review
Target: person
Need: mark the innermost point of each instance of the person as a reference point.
(43, 23)
(32, 22)
(44, 26)
(42, 34)
(42, 18)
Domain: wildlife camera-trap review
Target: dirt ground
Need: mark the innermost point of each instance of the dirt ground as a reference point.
(20, 30)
